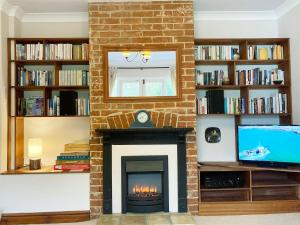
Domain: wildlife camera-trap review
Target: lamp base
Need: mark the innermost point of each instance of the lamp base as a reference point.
(35, 164)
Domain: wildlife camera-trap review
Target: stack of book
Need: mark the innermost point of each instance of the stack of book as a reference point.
(65, 51)
(53, 106)
(34, 77)
(209, 78)
(268, 105)
(259, 76)
(76, 157)
(73, 77)
(29, 51)
(32, 106)
(265, 52)
(215, 52)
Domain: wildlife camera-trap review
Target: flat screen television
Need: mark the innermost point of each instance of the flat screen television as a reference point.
(269, 145)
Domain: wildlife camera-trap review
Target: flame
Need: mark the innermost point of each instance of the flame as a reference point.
(144, 189)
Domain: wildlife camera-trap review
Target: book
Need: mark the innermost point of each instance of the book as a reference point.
(60, 162)
(77, 147)
(73, 167)
(73, 157)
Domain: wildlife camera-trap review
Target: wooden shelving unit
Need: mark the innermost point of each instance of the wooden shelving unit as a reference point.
(15, 151)
(265, 190)
(283, 64)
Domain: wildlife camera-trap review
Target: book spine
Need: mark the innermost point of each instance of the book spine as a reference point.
(72, 167)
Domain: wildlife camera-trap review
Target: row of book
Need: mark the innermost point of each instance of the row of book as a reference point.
(63, 51)
(29, 51)
(231, 105)
(259, 76)
(60, 51)
(209, 78)
(34, 77)
(32, 106)
(76, 157)
(215, 52)
(82, 107)
(74, 78)
(266, 105)
(265, 52)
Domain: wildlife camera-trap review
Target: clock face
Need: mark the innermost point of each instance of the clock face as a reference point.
(142, 117)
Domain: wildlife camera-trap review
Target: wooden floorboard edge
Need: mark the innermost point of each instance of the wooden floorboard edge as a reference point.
(45, 217)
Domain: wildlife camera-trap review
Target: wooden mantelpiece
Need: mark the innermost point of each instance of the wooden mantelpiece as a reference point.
(145, 130)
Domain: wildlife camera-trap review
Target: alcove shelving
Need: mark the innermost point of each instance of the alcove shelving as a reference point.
(39, 69)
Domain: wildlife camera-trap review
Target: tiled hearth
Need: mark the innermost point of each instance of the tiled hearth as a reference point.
(143, 219)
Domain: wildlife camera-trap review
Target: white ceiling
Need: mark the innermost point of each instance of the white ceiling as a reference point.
(49, 6)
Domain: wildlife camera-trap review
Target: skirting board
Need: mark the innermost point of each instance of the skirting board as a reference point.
(45, 217)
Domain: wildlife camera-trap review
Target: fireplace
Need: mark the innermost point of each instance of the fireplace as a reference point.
(135, 155)
(145, 184)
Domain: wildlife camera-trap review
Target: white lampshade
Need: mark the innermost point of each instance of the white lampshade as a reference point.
(35, 148)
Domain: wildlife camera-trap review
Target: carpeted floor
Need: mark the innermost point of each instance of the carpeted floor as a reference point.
(271, 219)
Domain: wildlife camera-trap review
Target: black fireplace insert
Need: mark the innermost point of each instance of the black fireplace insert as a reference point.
(145, 184)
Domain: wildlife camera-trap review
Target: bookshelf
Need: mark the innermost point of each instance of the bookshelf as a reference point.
(247, 76)
(215, 55)
(39, 71)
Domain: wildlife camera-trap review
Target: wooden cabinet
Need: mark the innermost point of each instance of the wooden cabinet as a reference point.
(264, 190)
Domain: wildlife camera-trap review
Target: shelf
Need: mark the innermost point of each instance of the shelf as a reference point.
(281, 183)
(237, 87)
(28, 88)
(225, 196)
(49, 116)
(224, 189)
(51, 62)
(241, 62)
(43, 170)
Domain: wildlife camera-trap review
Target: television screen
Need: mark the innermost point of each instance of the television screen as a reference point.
(269, 143)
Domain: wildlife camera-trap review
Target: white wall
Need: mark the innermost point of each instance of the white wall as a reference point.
(54, 30)
(235, 28)
(44, 193)
(226, 149)
(289, 26)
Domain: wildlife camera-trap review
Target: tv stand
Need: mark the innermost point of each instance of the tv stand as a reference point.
(265, 190)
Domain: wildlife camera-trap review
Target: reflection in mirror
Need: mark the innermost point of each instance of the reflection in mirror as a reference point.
(142, 73)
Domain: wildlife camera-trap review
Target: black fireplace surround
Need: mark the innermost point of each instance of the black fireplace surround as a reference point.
(144, 136)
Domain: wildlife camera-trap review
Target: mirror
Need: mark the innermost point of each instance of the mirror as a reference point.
(135, 73)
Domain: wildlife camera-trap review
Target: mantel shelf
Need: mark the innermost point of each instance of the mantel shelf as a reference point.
(145, 130)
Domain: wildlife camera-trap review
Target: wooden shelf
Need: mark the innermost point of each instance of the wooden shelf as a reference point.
(28, 88)
(51, 62)
(50, 116)
(238, 87)
(241, 62)
(43, 170)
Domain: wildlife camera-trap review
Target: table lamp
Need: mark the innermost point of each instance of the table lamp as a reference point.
(35, 151)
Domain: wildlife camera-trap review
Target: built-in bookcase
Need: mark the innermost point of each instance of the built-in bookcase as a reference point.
(256, 72)
(39, 69)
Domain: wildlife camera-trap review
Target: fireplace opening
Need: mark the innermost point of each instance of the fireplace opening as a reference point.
(145, 184)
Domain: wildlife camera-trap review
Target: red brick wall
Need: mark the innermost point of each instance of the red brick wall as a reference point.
(138, 23)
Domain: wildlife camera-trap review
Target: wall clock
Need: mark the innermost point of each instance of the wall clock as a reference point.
(142, 119)
(212, 135)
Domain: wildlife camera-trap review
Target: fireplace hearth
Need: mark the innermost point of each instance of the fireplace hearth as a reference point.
(145, 184)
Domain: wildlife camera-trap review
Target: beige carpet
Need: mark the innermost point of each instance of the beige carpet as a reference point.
(271, 219)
